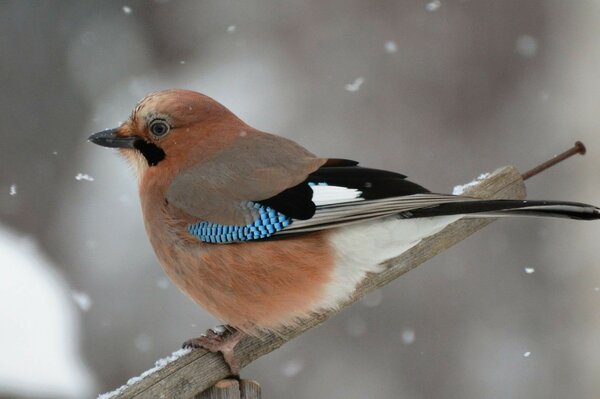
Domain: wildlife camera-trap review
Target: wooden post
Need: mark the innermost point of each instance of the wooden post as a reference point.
(199, 370)
(250, 389)
(232, 389)
(224, 389)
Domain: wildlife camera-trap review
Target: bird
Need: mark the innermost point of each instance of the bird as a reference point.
(262, 233)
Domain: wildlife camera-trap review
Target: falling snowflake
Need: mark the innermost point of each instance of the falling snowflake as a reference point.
(159, 364)
(162, 283)
(390, 47)
(526, 354)
(355, 86)
(526, 46)
(529, 270)
(231, 28)
(83, 176)
(13, 190)
(408, 336)
(433, 5)
(124, 199)
(292, 367)
(356, 326)
(127, 10)
(82, 300)
(143, 342)
(373, 299)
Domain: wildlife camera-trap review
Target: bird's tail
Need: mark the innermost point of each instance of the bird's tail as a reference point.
(499, 208)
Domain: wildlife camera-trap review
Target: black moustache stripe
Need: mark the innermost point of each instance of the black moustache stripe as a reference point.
(151, 152)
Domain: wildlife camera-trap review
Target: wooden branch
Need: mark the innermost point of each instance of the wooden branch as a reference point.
(197, 371)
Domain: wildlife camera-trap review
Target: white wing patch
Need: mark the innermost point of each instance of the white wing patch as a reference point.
(324, 194)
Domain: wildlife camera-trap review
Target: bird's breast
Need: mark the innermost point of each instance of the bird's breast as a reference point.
(260, 285)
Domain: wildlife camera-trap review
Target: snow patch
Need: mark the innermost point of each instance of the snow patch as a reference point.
(40, 337)
(160, 364)
(460, 190)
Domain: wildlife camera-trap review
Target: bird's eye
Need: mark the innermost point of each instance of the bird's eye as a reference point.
(159, 127)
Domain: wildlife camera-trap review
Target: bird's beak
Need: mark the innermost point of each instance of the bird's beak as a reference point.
(109, 138)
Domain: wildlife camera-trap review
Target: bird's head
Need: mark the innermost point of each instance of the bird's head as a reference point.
(164, 124)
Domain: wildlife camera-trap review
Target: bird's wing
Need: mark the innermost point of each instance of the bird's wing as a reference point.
(349, 194)
(337, 193)
(225, 188)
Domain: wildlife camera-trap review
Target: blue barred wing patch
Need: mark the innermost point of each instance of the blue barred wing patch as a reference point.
(268, 223)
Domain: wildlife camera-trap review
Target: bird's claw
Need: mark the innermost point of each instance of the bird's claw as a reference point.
(220, 339)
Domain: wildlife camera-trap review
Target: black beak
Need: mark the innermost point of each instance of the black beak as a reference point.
(109, 138)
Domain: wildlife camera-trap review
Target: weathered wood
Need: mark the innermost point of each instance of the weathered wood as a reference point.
(250, 389)
(224, 389)
(232, 389)
(199, 370)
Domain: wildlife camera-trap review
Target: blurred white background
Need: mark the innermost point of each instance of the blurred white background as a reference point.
(450, 89)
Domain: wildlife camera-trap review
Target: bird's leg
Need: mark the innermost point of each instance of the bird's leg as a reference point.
(219, 339)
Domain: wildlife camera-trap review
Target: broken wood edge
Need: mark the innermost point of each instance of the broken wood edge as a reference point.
(198, 370)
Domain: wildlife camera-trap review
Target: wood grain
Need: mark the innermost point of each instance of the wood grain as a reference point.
(224, 389)
(232, 389)
(250, 389)
(199, 370)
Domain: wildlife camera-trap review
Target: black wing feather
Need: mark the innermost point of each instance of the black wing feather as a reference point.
(373, 183)
(296, 202)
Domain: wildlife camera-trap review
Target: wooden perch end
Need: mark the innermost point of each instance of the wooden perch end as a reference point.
(199, 370)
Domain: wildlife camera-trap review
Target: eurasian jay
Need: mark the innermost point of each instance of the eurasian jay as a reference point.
(261, 232)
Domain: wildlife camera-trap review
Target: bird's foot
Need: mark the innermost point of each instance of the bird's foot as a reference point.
(219, 339)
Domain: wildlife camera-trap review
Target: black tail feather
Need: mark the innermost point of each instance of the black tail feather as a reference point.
(570, 210)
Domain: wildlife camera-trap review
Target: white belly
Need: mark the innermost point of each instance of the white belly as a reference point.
(362, 248)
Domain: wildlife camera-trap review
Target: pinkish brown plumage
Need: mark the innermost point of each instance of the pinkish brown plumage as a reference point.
(212, 155)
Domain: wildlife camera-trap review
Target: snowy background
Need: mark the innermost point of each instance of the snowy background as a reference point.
(439, 90)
